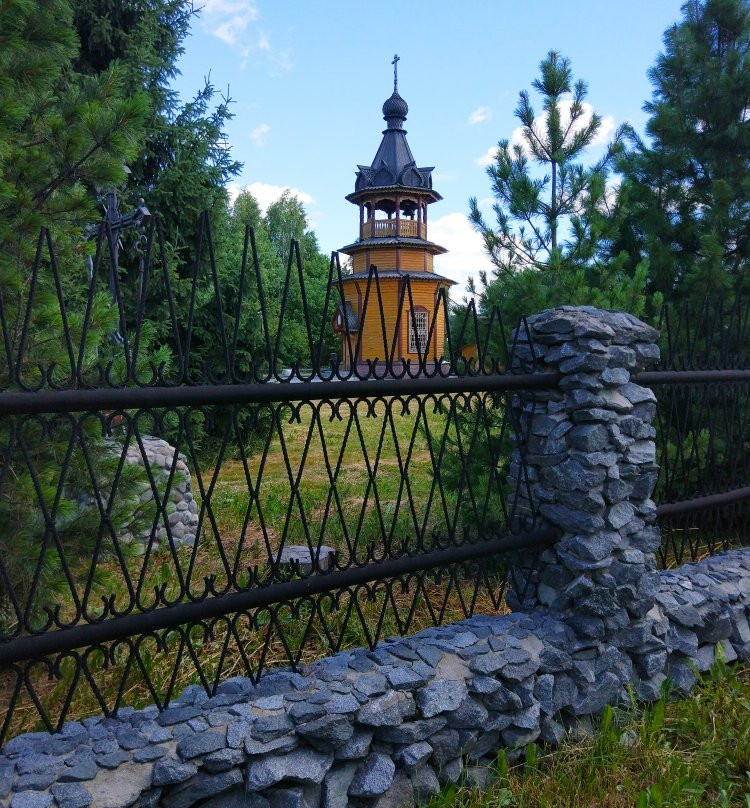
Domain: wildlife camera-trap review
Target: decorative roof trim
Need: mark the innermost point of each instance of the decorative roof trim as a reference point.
(390, 274)
(355, 196)
(395, 241)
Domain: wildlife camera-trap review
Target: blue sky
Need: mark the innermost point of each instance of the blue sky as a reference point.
(308, 80)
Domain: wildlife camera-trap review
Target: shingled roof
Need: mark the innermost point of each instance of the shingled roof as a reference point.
(394, 165)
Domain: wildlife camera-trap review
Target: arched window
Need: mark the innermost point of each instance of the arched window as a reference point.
(419, 328)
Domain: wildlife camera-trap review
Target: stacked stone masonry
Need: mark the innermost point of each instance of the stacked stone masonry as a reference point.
(589, 464)
(181, 508)
(381, 728)
(592, 619)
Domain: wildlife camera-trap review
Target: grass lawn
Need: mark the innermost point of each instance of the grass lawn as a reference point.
(692, 753)
(383, 464)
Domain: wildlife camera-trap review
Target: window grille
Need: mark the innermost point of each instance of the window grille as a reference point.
(418, 335)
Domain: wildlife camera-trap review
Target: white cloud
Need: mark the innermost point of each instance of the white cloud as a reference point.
(606, 128)
(232, 21)
(281, 60)
(229, 19)
(480, 115)
(226, 6)
(266, 194)
(234, 189)
(487, 158)
(260, 133)
(604, 133)
(466, 255)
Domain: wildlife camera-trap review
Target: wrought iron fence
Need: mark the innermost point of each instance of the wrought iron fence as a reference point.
(366, 472)
(330, 503)
(703, 428)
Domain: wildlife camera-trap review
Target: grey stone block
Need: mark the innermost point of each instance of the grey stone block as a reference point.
(414, 755)
(441, 695)
(148, 754)
(268, 727)
(451, 771)
(503, 699)
(31, 799)
(425, 783)
(446, 745)
(35, 781)
(130, 739)
(300, 766)
(515, 737)
(400, 794)
(294, 797)
(327, 733)
(200, 787)
(373, 777)
(682, 673)
(169, 771)
(589, 437)
(570, 520)
(336, 786)
(373, 684)
(471, 713)
(411, 731)
(356, 747)
(343, 704)
(387, 710)
(71, 795)
(488, 663)
(113, 759)
(201, 743)
(223, 760)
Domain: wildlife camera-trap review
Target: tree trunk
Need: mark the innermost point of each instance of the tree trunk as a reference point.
(553, 206)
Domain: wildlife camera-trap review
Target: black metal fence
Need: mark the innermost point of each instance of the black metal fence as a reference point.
(703, 429)
(392, 479)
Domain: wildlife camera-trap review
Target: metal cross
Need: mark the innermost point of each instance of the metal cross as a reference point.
(395, 62)
(115, 222)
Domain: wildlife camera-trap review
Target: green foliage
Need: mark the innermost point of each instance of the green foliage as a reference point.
(184, 160)
(285, 220)
(553, 222)
(58, 138)
(64, 136)
(685, 198)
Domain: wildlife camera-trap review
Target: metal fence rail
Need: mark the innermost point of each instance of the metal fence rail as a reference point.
(402, 468)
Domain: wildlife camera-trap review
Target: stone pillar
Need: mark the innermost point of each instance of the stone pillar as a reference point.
(590, 459)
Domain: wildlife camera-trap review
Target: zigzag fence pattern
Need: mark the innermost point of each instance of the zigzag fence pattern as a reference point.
(394, 477)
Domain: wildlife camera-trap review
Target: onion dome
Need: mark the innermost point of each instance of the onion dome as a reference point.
(395, 111)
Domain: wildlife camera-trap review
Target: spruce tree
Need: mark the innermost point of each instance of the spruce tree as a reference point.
(185, 161)
(686, 188)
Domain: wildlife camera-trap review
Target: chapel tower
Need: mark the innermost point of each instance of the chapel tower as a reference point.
(393, 195)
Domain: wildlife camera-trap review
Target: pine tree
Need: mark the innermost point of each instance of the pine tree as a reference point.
(686, 188)
(550, 241)
(60, 139)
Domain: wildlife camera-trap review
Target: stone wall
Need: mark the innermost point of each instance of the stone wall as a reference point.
(592, 619)
(182, 509)
(381, 728)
